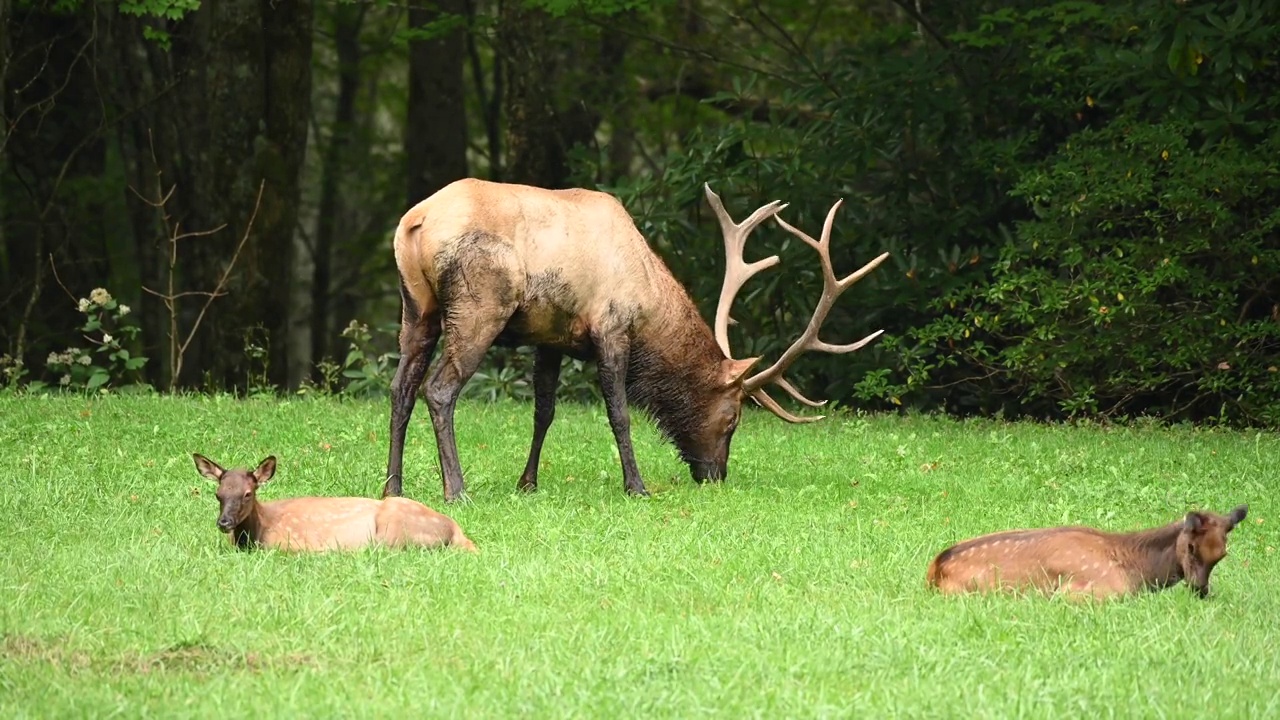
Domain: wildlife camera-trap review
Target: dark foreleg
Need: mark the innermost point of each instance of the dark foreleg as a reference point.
(546, 378)
(613, 355)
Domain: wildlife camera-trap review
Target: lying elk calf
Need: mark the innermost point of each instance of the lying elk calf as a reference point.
(568, 272)
(1084, 561)
(321, 523)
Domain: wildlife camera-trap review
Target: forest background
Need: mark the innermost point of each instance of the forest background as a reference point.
(1081, 199)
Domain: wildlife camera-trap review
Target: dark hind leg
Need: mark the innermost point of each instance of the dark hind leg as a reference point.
(546, 378)
(613, 356)
(418, 337)
(479, 296)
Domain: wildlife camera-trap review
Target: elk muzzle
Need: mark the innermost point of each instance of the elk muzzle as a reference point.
(1199, 582)
(230, 515)
(708, 470)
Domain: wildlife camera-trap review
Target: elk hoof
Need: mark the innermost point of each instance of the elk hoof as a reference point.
(527, 486)
(459, 496)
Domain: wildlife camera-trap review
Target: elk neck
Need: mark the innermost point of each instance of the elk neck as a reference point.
(673, 359)
(1152, 555)
(250, 530)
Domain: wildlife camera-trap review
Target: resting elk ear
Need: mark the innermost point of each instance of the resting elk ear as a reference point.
(1236, 516)
(1194, 521)
(265, 470)
(207, 467)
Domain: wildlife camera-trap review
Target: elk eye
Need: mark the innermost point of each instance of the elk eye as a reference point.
(247, 493)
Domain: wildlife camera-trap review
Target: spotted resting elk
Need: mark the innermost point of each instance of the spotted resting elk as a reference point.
(1082, 561)
(321, 523)
(568, 272)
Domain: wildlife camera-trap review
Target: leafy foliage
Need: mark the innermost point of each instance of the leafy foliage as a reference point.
(1076, 197)
(1146, 284)
(104, 327)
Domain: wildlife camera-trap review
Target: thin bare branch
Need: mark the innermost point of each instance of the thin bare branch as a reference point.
(59, 279)
(226, 273)
(690, 52)
(188, 293)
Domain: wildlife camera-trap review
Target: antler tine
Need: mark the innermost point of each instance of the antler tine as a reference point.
(793, 392)
(762, 397)
(832, 288)
(736, 270)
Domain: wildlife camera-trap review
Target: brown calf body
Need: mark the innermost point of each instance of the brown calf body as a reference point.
(1088, 562)
(311, 524)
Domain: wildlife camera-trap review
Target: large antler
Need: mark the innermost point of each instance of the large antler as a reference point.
(737, 272)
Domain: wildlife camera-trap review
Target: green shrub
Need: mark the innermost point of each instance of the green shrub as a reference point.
(1146, 284)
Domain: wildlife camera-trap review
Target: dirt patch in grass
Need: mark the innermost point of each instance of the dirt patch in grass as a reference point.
(31, 649)
(185, 658)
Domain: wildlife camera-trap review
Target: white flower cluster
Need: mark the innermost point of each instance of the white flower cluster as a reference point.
(69, 357)
(99, 297)
(11, 366)
(355, 327)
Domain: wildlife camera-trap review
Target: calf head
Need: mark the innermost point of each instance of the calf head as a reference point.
(1203, 542)
(237, 488)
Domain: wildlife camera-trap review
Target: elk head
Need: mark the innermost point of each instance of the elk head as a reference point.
(1203, 542)
(707, 450)
(237, 488)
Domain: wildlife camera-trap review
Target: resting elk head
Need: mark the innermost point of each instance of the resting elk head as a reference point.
(237, 488)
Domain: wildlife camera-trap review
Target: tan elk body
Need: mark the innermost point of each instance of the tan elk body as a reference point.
(1082, 561)
(321, 523)
(568, 272)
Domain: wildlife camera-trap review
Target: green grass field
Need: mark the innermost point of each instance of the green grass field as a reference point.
(796, 589)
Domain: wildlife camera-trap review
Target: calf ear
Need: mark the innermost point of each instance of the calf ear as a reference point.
(1194, 521)
(265, 470)
(1236, 516)
(207, 467)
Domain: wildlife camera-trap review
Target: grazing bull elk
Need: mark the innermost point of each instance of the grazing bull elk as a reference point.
(1084, 561)
(568, 272)
(321, 523)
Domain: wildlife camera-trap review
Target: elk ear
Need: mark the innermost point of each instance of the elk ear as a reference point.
(733, 371)
(1193, 522)
(207, 467)
(1236, 516)
(265, 470)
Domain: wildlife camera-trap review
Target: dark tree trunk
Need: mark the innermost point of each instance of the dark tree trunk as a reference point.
(226, 110)
(536, 154)
(435, 140)
(560, 81)
(50, 140)
(287, 30)
(335, 166)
